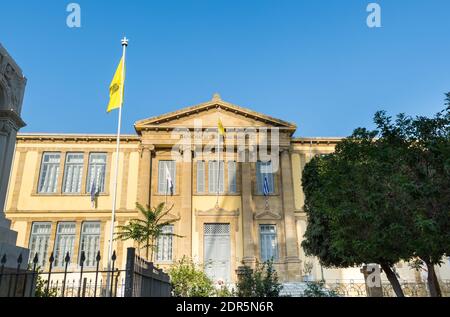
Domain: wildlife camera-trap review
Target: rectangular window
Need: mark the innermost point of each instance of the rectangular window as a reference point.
(73, 173)
(48, 180)
(264, 170)
(164, 246)
(163, 181)
(216, 177)
(39, 241)
(200, 177)
(64, 243)
(96, 172)
(90, 242)
(269, 245)
(232, 177)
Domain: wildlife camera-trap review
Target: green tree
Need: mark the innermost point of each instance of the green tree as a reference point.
(261, 282)
(425, 144)
(383, 196)
(147, 229)
(352, 205)
(189, 280)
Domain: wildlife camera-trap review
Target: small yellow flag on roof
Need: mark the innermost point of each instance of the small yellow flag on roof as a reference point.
(116, 88)
(221, 128)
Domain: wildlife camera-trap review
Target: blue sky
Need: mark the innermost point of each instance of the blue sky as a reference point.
(315, 63)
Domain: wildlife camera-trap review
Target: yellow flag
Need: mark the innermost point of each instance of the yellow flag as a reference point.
(221, 128)
(116, 88)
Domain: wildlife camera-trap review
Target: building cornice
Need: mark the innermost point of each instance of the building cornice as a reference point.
(75, 138)
(318, 140)
(14, 117)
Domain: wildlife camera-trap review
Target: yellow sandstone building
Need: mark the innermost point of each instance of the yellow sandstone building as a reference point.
(232, 213)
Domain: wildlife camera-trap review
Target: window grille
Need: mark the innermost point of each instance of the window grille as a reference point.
(73, 173)
(96, 172)
(39, 241)
(48, 180)
(64, 243)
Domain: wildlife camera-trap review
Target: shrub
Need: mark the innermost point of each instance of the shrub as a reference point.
(262, 282)
(318, 290)
(189, 280)
(224, 291)
(41, 288)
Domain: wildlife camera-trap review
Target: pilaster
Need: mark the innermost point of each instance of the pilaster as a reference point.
(248, 211)
(292, 260)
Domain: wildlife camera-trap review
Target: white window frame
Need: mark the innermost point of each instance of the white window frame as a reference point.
(163, 188)
(164, 249)
(93, 246)
(201, 179)
(232, 174)
(268, 242)
(67, 239)
(73, 173)
(49, 173)
(39, 242)
(212, 177)
(99, 168)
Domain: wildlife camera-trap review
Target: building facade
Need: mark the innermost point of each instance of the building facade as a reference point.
(233, 207)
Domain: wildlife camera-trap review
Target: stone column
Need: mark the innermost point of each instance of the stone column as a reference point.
(12, 88)
(248, 211)
(10, 123)
(293, 268)
(185, 244)
(144, 176)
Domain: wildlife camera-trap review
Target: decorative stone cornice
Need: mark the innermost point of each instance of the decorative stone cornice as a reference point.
(13, 118)
(75, 138)
(314, 141)
(160, 122)
(214, 212)
(267, 215)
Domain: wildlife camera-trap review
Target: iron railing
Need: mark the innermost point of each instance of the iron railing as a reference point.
(353, 288)
(140, 278)
(143, 279)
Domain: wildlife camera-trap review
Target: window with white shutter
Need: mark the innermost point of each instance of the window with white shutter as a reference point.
(64, 243)
(164, 245)
(163, 184)
(200, 176)
(268, 242)
(232, 177)
(216, 177)
(90, 242)
(73, 173)
(96, 172)
(39, 242)
(48, 180)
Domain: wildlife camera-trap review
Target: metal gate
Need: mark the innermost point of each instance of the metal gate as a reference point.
(217, 251)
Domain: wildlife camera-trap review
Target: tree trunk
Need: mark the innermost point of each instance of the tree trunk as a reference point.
(433, 283)
(393, 280)
(153, 243)
(146, 251)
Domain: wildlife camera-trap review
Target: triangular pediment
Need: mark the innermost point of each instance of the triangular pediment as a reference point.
(232, 116)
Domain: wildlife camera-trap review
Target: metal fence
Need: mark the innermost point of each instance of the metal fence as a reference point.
(143, 279)
(139, 276)
(410, 289)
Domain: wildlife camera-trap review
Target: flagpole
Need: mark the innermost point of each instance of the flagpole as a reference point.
(114, 198)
